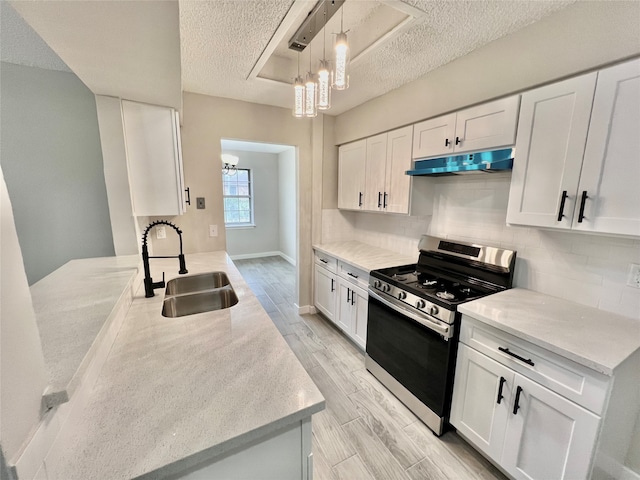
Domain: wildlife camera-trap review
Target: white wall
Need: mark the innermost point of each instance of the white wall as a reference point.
(23, 376)
(287, 181)
(265, 236)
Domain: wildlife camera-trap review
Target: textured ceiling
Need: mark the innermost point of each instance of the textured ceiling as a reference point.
(222, 40)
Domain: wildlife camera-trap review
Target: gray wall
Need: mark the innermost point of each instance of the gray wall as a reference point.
(52, 163)
(264, 237)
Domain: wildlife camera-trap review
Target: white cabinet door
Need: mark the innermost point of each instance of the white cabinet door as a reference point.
(153, 158)
(548, 436)
(376, 165)
(325, 292)
(351, 174)
(434, 137)
(481, 400)
(488, 126)
(344, 309)
(397, 190)
(552, 131)
(610, 175)
(359, 316)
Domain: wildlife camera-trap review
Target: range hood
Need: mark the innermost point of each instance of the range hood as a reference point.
(480, 162)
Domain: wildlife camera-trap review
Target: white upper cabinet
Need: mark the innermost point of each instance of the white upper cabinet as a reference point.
(552, 131)
(376, 165)
(351, 174)
(578, 154)
(610, 175)
(154, 158)
(397, 184)
(488, 126)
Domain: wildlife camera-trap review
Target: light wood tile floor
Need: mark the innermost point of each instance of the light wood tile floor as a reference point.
(365, 432)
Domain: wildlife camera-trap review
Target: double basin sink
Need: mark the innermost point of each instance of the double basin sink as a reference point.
(197, 294)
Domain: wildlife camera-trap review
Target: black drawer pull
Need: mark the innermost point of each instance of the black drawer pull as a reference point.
(582, 202)
(322, 260)
(359, 199)
(379, 199)
(562, 200)
(352, 275)
(528, 361)
(333, 285)
(384, 203)
(516, 404)
(500, 397)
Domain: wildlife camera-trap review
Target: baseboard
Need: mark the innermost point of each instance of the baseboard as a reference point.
(628, 474)
(246, 256)
(305, 309)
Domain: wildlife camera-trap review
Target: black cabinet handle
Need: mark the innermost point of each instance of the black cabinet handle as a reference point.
(353, 297)
(446, 142)
(359, 199)
(384, 204)
(323, 260)
(582, 202)
(516, 404)
(348, 295)
(188, 202)
(528, 361)
(500, 397)
(562, 200)
(458, 141)
(379, 199)
(352, 275)
(333, 285)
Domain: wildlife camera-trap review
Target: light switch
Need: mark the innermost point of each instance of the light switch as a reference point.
(200, 203)
(161, 232)
(213, 230)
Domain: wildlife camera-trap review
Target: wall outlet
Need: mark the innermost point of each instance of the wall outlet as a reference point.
(634, 275)
(161, 231)
(200, 203)
(213, 230)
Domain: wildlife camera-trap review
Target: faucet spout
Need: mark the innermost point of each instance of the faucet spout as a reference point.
(149, 284)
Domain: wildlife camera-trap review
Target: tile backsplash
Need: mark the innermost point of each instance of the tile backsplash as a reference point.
(587, 269)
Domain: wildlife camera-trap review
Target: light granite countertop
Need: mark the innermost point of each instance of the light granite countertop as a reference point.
(363, 256)
(594, 338)
(175, 392)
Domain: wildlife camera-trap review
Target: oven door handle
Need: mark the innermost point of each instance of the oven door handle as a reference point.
(443, 329)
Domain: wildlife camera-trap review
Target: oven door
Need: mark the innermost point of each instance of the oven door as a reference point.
(418, 357)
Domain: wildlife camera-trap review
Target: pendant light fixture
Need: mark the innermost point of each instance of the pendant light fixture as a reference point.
(298, 94)
(324, 75)
(341, 51)
(310, 93)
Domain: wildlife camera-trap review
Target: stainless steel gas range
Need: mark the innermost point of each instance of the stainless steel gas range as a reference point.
(413, 322)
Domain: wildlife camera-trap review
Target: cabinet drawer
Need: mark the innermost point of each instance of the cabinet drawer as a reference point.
(326, 261)
(573, 381)
(353, 274)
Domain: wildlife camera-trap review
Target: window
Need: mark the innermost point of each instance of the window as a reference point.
(238, 198)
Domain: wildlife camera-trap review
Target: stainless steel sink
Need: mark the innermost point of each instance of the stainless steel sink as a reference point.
(207, 301)
(196, 283)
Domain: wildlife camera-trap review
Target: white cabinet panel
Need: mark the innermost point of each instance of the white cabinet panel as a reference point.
(434, 136)
(325, 292)
(351, 175)
(481, 400)
(360, 315)
(152, 138)
(548, 436)
(344, 310)
(376, 165)
(552, 130)
(611, 169)
(397, 188)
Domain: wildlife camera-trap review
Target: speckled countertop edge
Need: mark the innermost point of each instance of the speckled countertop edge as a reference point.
(158, 406)
(364, 256)
(590, 337)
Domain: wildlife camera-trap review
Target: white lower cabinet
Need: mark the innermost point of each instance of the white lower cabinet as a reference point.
(530, 431)
(352, 311)
(325, 292)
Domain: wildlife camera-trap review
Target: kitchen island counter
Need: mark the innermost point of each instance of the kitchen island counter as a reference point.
(594, 338)
(179, 392)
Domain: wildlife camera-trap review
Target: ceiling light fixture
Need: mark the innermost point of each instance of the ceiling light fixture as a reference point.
(324, 74)
(298, 94)
(229, 162)
(341, 50)
(310, 93)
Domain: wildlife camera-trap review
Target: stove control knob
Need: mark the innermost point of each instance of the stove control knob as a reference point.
(421, 304)
(434, 310)
(377, 284)
(402, 295)
(385, 287)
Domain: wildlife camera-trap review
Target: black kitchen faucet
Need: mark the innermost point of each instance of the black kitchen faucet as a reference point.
(149, 284)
